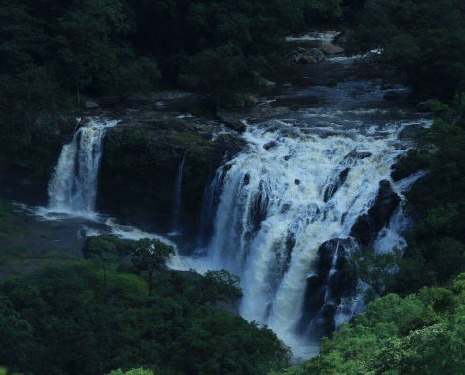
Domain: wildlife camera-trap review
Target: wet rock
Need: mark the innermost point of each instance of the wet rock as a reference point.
(358, 154)
(258, 209)
(368, 225)
(270, 145)
(246, 179)
(331, 49)
(285, 208)
(333, 187)
(297, 181)
(333, 280)
(287, 157)
(391, 95)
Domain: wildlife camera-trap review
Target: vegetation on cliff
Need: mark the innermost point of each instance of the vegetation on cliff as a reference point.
(419, 334)
(425, 40)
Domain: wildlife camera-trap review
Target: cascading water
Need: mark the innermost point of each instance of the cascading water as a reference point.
(73, 186)
(286, 214)
(178, 198)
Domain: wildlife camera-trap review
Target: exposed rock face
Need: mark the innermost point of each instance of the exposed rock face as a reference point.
(146, 149)
(334, 279)
(368, 225)
(335, 185)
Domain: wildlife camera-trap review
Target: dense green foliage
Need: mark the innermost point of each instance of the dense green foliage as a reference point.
(66, 320)
(423, 333)
(436, 249)
(424, 39)
(97, 315)
(53, 49)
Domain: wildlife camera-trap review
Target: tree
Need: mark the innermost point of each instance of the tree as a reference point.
(150, 255)
(103, 252)
(221, 286)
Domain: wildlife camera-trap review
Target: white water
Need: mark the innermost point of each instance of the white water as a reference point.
(73, 186)
(323, 36)
(272, 216)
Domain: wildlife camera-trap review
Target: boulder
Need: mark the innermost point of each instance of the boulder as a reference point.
(270, 145)
(331, 49)
(358, 155)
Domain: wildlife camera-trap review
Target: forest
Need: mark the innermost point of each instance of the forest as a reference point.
(117, 309)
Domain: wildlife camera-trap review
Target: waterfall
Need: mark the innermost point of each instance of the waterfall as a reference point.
(285, 217)
(73, 186)
(178, 198)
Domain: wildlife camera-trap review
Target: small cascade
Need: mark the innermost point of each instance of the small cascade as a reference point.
(73, 186)
(211, 195)
(175, 227)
